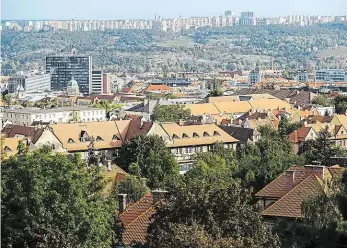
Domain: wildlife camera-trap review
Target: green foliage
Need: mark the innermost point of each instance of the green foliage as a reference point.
(104, 104)
(174, 113)
(262, 162)
(210, 198)
(22, 148)
(340, 104)
(321, 149)
(216, 92)
(49, 201)
(133, 186)
(285, 127)
(322, 100)
(157, 164)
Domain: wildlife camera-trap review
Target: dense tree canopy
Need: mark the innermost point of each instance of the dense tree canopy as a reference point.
(52, 200)
(174, 113)
(153, 159)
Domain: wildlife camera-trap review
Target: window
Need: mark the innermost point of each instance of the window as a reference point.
(174, 136)
(342, 132)
(99, 138)
(115, 137)
(187, 150)
(206, 134)
(215, 133)
(195, 135)
(70, 141)
(7, 149)
(184, 136)
(190, 149)
(201, 149)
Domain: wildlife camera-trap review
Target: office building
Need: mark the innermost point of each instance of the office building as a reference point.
(106, 83)
(302, 76)
(254, 76)
(97, 83)
(247, 19)
(30, 82)
(64, 68)
(30, 116)
(331, 75)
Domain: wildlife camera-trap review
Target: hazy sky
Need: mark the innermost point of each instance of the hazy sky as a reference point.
(146, 9)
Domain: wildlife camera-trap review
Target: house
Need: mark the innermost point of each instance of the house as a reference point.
(255, 119)
(300, 136)
(243, 135)
(283, 197)
(158, 89)
(185, 141)
(136, 217)
(10, 146)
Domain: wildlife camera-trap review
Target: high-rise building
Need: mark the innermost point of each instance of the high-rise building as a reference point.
(247, 19)
(254, 76)
(97, 83)
(331, 75)
(30, 82)
(302, 76)
(106, 83)
(64, 68)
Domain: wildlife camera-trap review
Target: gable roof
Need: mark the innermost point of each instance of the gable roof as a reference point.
(137, 127)
(155, 87)
(10, 145)
(239, 133)
(290, 204)
(173, 129)
(106, 130)
(11, 130)
(136, 219)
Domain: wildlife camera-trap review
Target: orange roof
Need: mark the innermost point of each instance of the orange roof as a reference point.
(136, 219)
(158, 88)
(290, 204)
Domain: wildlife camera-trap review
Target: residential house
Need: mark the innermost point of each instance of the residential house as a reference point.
(283, 197)
(243, 135)
(298, 137)
(256, 119)
(10, 146)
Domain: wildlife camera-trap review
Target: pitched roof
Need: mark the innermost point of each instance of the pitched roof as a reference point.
(111, 132)
(11, 130)
(154, 87)
(239, 133)
(191, 135)
(290, 204)
(136, 127)
(204, 108)
(10, 145)
(136, 219)
(299, 134)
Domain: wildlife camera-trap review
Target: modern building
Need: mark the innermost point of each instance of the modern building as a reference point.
(331, 75)
(30, 116)
(106, 83)
(302, 76)
(30, 82)
(254, 76)
(63, 68)
(247, 19)
(97, 82)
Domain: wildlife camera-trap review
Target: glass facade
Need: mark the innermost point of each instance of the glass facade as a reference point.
(63, 68)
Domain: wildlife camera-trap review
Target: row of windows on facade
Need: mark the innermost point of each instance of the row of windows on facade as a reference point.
(86, 138)
(195, 135)
(196, 149)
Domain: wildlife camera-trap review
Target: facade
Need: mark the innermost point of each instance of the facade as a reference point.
(29, 116)
(63, 68)
(302, 76)
(31, 82)
(247, 19)
(254, 77)
(106, 83)
(331, 75)
(97, 82)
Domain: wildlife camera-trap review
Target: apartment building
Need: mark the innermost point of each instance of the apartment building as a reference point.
(331, 75)
(30, 116)
(30, 82)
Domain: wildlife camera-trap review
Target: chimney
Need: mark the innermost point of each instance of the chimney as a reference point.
(109, 167)
(158, 195)
(181, 122)
(122, 202)
(316, 169)
(290, 179)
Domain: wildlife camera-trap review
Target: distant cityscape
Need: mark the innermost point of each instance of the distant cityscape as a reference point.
(159, 23)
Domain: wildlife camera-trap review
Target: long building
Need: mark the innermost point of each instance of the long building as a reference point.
(30, 82)
(331, 75)
(64, 68)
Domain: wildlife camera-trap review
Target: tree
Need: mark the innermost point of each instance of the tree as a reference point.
(322, 100)
(321, 149)
(263, 161)
(104, 104)
(173, 113)
(22, 148)
(157, 164)
(133, 186)
(340, 104)
(210, 198)
(216, 92)
(8, 99)
(50, 201)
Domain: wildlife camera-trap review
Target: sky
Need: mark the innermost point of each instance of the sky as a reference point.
(147, 9)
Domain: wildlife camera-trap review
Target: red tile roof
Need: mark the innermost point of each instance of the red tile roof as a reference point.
(136, 219)
(158, 88)
(136, 127)
(13, 130)
(290, 204)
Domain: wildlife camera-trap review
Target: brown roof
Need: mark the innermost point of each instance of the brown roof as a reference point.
(136, 127)
(16, 130)
(136, 219)
(299, 134)
(290, 204)
(158, 88)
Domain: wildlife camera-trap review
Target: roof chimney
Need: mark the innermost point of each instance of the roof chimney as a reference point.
(290, 179)
(122, 202)
(316, 169)
(158, 195)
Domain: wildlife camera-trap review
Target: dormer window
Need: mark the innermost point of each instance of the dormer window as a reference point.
(7, 149)
(195, 135)
(342, 132)
(99, 138)
(115, 137)
(174, 136)
(206, 134)
(215, 133)
(84, 136)
(70, 141)
(185, 136)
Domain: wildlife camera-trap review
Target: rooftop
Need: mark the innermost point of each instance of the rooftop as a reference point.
(42, 111)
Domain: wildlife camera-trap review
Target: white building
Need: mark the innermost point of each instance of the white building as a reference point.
(254, 76)
(331, 75)
(302, 76)
(97, 82)
(30, 82)
(28, 116)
